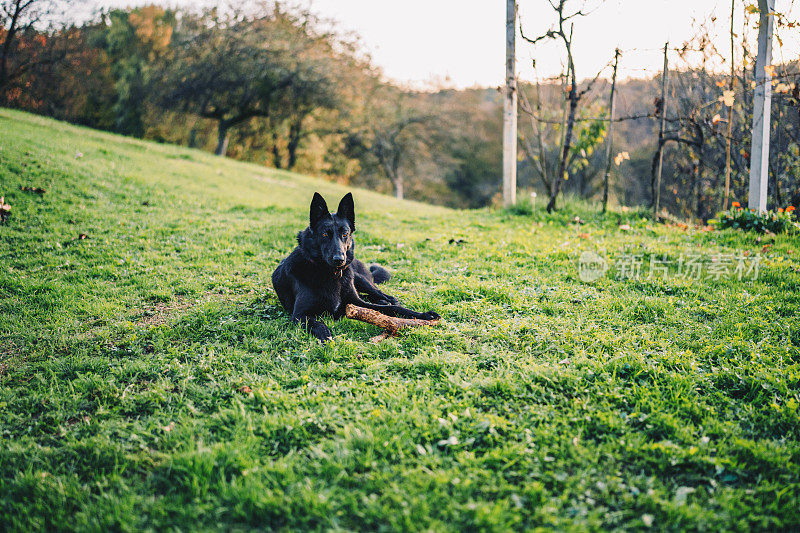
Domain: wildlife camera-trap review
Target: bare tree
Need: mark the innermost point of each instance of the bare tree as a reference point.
(563, 32)
(536, 156)
(610, 142)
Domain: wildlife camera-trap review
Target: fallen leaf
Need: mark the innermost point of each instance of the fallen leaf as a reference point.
(5, 209)
(245, 389)
(625, 227)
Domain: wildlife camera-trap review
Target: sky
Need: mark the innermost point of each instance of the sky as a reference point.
(461, 43)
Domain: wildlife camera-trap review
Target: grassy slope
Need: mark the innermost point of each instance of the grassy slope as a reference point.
(123, 359)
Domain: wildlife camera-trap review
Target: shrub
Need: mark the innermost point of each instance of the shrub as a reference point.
(780, 221)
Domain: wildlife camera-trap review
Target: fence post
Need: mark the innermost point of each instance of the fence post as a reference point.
(762, 107)
(510, 109)
(662, 127)
(610, 144)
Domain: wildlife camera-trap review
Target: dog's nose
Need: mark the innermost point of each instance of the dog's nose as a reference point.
(338, 259)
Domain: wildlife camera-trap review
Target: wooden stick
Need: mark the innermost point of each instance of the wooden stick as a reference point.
(390, 324)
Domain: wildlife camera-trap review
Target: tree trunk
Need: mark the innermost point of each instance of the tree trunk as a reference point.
(701, 177)
(295, 129)
(398, 187)
(698, 191)
(277, 159)
(654, 169)
(392, 170)
(774, 171)
(728, 140)
(222, 138)
(562, 167)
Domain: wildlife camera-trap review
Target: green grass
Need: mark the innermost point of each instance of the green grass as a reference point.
(541, 401)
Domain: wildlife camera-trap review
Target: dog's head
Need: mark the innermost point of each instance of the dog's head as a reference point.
(329, 237)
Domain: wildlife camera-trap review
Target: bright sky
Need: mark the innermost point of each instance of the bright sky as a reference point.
(462, 42)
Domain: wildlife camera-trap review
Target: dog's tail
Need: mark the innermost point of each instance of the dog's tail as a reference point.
(379, 274)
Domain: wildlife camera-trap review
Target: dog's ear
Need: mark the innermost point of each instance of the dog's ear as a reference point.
(347, 210)
(319, 210)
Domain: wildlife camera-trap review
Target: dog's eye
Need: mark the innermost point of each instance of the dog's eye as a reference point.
(345, 235)
(325, 235)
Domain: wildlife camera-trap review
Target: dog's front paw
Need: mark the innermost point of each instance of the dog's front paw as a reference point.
(322, 333)
(430, 315)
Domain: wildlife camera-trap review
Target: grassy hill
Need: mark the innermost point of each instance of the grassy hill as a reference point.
(149, 378)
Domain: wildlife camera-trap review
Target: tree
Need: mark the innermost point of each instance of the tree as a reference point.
(22, 46)
(312, 87)
(79, 89)
(231, 68)
(133, 41)
(390, 134)
(549, 134)
(574, 95)
(470, 158)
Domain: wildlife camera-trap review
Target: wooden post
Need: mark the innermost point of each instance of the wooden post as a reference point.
(510, 109)
(762, 106)
(609, 145)
(728, 141)
(657, 199)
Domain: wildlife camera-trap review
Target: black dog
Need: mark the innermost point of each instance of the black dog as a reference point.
(321, 275)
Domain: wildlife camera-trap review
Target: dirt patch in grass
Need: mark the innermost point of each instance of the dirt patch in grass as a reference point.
(8, 351)
(158, 314)
(163, 312)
